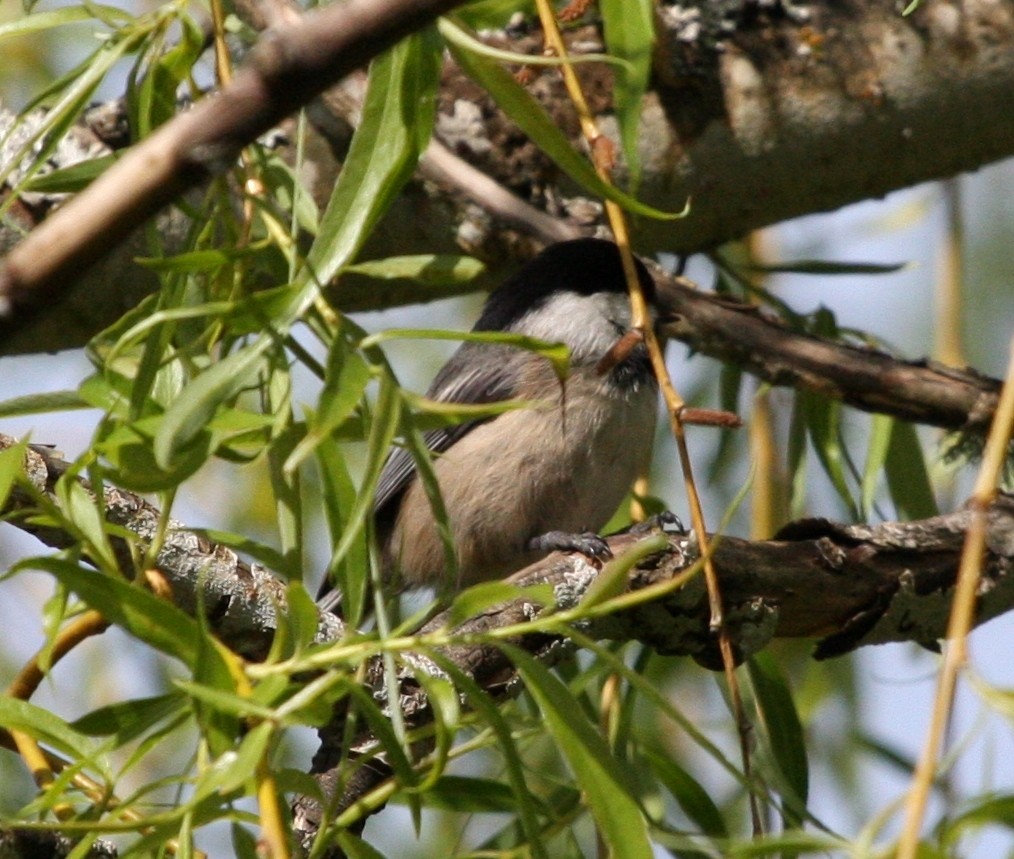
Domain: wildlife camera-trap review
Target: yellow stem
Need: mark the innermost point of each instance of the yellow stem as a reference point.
(962, 614)
(641, 320)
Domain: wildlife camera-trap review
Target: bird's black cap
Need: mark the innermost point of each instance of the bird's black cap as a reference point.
(584, 266)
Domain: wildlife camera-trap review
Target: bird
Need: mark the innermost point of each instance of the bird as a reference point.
(543, 477)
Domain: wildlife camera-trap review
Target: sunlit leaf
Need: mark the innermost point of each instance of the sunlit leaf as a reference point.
(433, 270)
(607, 787)
(397, 119)
(533, 120)
(629, 30)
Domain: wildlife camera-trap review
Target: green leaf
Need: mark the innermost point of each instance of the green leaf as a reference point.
(345, 381)
(131, 457)
(907, 477)
(34, 404)
(470, 795)
(41, 21)
(876, 456)
(687, 791)
(138, 611)
(386, 418)
(81, 511)
(126, 720)
(302, 618)
(823, 418)
(338, 498)
(485, 595)
(70, 180)
(44, 726)
(355, 848)
(606, 786)
(492, 715)
(459, 35)
(533, 120)
(615, 575)
(432, 270)
(187, 418)
(397, 120)
(825, 267)
(557, 354)
(629, 29)
(12, 464)
(994, 809)
(783, 729)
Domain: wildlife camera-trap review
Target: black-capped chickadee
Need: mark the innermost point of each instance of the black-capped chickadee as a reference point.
(539, 478)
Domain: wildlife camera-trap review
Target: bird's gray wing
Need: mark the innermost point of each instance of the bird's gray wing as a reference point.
(476, 374)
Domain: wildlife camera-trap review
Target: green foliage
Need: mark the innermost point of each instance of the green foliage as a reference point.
(219, 380)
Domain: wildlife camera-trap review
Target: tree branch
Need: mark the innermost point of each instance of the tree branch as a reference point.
(850, 586)
(287, 68)
(742, 335)
(756, 114)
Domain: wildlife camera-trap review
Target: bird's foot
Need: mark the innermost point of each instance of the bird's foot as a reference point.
(588, 544)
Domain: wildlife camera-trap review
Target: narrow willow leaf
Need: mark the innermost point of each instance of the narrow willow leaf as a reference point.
(606, 786)
(232, 769)
(82, 513)
(432, 270)
(37, 722)
(996, 809)
(825, 267)
(533, 120)
(126, 720)
(478, 598)
(557, 354)
(346, 378)
(492, 715)
(470, 795)
(687, 791)
(823, 418)
(302, 617)
(629, 29)
(398, 115)
(386, 418)
(615, 575)
(132, 464)
(876, 456)
(188, 417)
(907, 476)
(41, 21)
(794, 842)
(459, 36)
(783, 729)
(70, 180)
(355, 848)
(140, 612)
(50, 401)
(350, 572)
(285, 486)
(12, 464)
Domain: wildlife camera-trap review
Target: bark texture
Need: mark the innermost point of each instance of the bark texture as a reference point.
(758, 112)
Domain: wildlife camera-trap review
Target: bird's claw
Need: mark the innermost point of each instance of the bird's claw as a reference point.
(588, 544)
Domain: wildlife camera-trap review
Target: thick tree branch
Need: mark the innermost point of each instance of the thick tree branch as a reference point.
(288, 67)
(850, 586)
(757, 114)
(744, 336)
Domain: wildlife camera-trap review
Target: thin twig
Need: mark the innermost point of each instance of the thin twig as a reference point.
(962, 613)
(601, 151)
